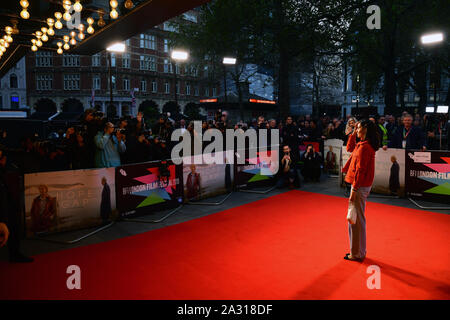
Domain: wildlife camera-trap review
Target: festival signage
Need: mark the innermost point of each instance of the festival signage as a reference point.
(257, 171)
(148, 187)
(68, 200)
(332, 155)
(428, 175)
(207, 179)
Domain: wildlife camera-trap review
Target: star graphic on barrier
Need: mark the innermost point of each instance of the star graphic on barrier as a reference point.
(442, 186)
(264, 167)
(155, 195)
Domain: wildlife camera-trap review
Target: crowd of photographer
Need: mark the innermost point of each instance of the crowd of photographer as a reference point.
(96, 142)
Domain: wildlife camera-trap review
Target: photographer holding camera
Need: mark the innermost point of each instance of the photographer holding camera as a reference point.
(110, 143)
(312, 162)
(288, 169)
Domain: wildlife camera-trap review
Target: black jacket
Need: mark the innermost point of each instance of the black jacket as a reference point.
(414, 140)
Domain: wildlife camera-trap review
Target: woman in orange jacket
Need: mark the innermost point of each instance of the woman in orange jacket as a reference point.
(360, 170)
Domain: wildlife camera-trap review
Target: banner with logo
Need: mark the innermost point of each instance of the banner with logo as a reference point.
(258, 170)
(203, 180)
(428, 175)
(148, 187)
(332, 155)
(68, 200)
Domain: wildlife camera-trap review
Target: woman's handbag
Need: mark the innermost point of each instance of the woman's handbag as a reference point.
(351, 214)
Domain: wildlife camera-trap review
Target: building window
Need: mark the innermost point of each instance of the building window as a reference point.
(113, 80)
(13, 83)
(71, 82)
(126, 84)
(147, 41)
(193, 71)
(196, 91)
(177, 85)
(147, 63)
(154, 86)
(113, 59)
(167, 87)
(166, 45)
(126, 60)
(206, 91)
(127, 42)
(177, 69)
(214, 92)
(143, 85)
(96, 82)
(44, 82)
(44, 59)
(167, 66)
(71, 60)
(205, 71)
(14, 101)
(188, 89)
(96, 60)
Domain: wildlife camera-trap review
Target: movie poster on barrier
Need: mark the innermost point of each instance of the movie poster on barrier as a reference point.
(389, 176)
(259, 171)
(345, 155)
(68, 200)
(332, 155)
(148, 187)
(203, 180)
(428, 175)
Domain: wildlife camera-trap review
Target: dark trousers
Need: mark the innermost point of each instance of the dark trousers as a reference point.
(290, 176)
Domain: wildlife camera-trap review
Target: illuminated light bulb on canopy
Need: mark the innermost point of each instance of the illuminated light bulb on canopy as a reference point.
(77, 6)
(58, 24)
(5, 42)
(8, 31)
(129, 4)
(113, 4)
(67, 16)
(66, 42)
(90, 29)
(113, 14)
(44, 34)
(73, 41)
(24, 14)
(67, 4)
(33, 47)
(24, 4)
(60, 50)
(50, 30)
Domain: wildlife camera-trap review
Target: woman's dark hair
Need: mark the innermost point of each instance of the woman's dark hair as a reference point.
(372, 134)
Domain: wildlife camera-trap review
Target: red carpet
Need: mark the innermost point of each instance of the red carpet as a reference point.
(289, 246)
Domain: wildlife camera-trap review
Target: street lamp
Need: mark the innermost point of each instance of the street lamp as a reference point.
(226, 61)
(431, 39)
(119, 48)
(177, 55)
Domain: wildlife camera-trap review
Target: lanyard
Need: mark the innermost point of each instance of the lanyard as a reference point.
(405, 135)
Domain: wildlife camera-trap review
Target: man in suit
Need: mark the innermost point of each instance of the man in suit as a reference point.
(407, 136)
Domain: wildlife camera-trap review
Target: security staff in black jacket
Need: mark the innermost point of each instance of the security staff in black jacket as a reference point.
(9, 199)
